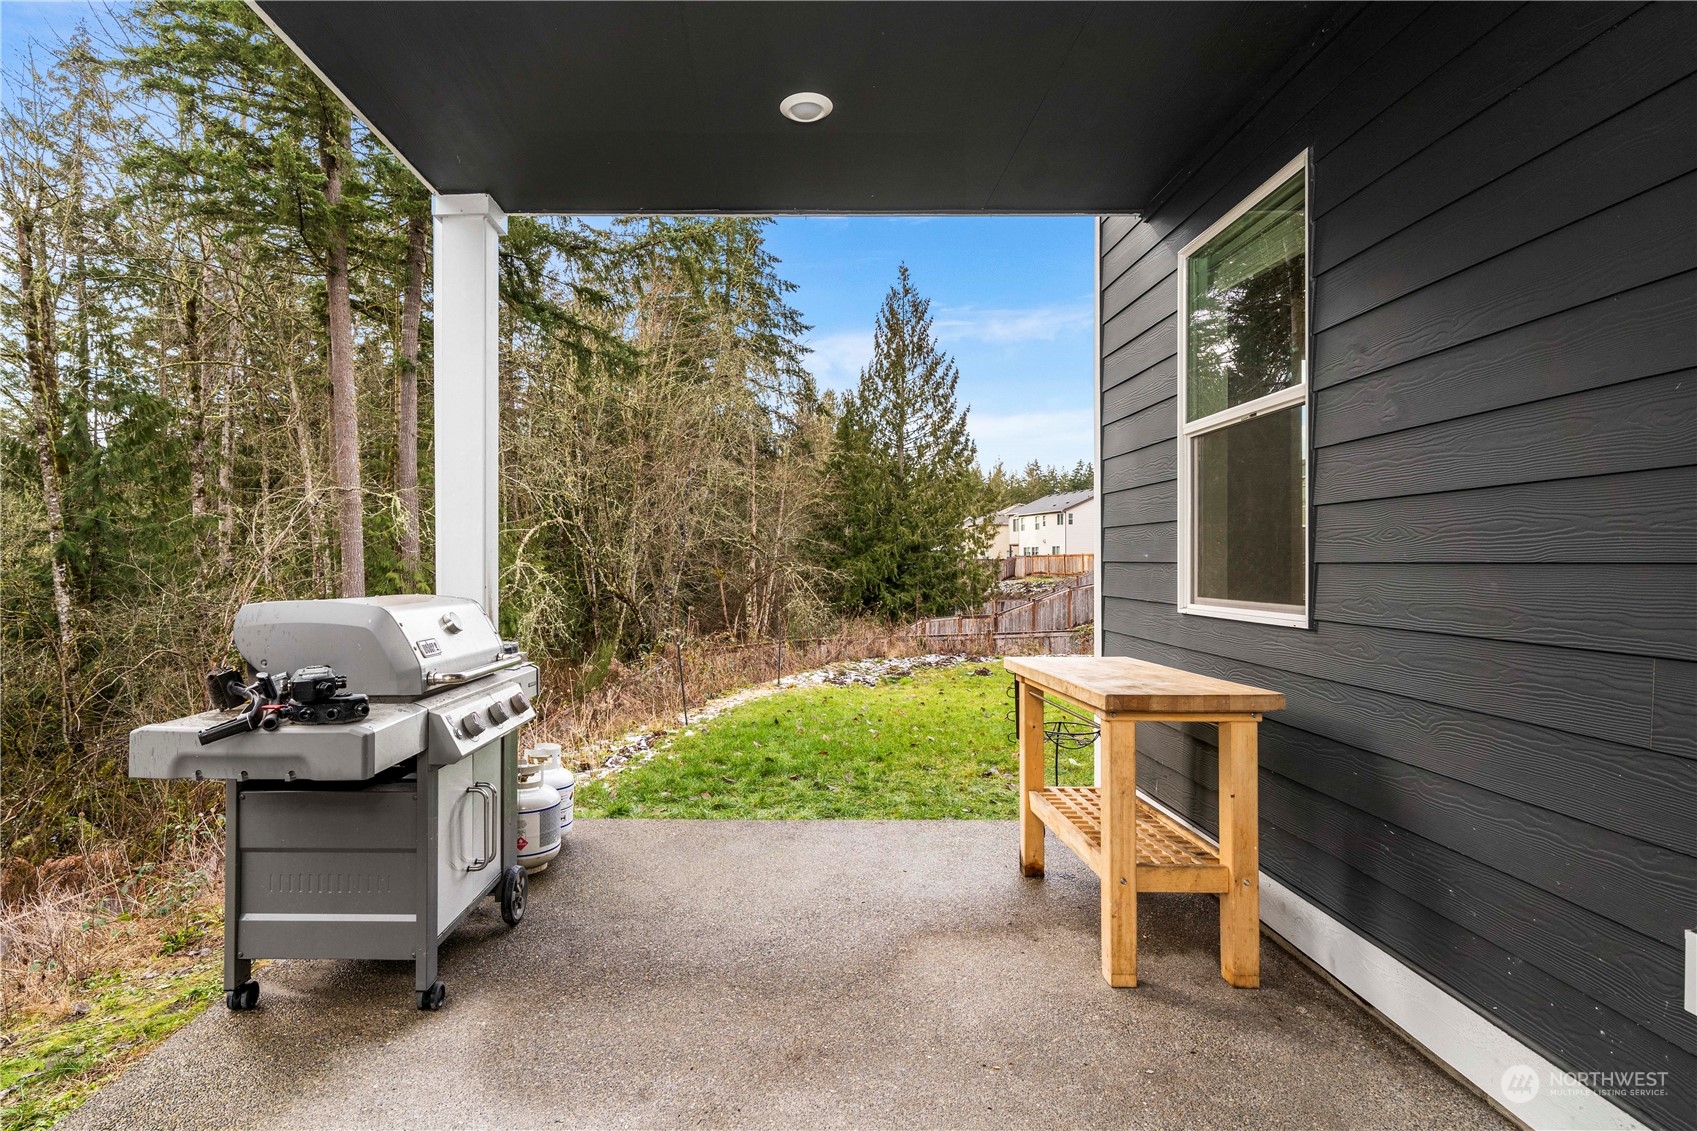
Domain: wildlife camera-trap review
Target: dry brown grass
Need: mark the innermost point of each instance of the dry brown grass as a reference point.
(80, 916)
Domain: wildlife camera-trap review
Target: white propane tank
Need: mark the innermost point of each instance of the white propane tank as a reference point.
(552, 760)
(563, 780)
(539, 819)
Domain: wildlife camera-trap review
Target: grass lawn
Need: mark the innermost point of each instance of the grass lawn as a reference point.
(939, 744)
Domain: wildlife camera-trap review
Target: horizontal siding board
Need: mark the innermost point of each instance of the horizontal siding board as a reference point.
(1157, 502)
(1154, 345)
(1157, 463)
(1575, 1030)
(1333, 797)
(1639, 794)
(1644, 146)
(1553, 273)
(1643, 517)
(1586, 693)
(1155, 542)
(1157, 383)
(1673, 724)
(1145, 311)
(1647, 610)
(1156, 423)
(1115, 229)
(1121, 254)
(1650, 893)
(1141, 581)
(1616, 339)
(1534, 43)
(1641, 426)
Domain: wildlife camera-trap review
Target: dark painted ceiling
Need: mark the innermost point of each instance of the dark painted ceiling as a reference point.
(673, 107)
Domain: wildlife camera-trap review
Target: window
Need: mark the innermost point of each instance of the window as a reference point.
(1243, 409)
(1069, 520)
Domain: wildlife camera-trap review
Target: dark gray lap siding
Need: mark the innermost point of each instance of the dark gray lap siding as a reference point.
(1489, 762)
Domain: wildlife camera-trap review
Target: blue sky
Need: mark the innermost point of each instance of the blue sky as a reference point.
(1010, 300)
(1010, 296)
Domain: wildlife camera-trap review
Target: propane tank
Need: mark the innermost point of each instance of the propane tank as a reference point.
(563, 781)
(539, 819)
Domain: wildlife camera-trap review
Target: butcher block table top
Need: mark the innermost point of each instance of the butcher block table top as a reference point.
(1116, 684)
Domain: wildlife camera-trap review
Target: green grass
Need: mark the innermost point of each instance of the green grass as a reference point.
(938, 745)
(51, 1066)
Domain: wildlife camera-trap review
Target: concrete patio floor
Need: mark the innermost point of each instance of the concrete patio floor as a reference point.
(796, 974)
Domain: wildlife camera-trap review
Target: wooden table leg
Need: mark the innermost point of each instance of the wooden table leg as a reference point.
(1030, 706)
(1118, 792)
(1240, 906)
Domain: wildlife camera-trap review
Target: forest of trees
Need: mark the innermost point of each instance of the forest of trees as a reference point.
(216, 343)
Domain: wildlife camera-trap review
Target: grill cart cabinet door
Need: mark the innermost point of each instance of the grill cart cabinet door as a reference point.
(471, 823)
(326, 873)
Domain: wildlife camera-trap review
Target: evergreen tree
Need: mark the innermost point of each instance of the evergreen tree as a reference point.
(904, 483)
(264, 148)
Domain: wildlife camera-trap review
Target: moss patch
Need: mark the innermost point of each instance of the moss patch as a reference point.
(53, 1063)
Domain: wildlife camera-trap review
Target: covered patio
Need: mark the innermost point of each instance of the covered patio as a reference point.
(798, 974)
(1477, 816)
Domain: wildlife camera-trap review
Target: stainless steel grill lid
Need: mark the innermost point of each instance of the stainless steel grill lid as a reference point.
(389, 647)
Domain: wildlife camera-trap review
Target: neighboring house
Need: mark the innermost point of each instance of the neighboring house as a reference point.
(1002, 544)
(1055, 524)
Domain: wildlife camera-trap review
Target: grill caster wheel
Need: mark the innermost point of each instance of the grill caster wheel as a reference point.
(432, 998)
(244, 997)
(515, 885)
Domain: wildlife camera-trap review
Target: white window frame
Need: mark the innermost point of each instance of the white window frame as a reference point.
(1188, 431)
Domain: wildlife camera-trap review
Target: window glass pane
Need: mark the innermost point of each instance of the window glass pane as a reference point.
(1251, 512)
(1246, 299)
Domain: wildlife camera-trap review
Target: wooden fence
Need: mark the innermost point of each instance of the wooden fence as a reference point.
(1047, 624)
(1044, 565)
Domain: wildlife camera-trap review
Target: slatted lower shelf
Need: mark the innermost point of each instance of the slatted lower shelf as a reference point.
(1169, 856)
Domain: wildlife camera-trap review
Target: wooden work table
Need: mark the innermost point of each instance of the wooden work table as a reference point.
(1129, 844)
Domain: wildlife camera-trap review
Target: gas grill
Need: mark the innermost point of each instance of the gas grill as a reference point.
(365, 822)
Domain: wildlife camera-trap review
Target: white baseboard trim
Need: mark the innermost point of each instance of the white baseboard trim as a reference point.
(1470, 1044)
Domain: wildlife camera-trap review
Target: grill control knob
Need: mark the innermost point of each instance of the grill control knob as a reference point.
(519, 703)
(498, 713)
(472, 724)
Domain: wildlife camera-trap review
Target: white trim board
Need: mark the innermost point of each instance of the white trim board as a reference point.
(1448, 1029)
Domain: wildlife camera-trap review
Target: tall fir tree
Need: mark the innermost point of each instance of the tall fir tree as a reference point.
(903, 480)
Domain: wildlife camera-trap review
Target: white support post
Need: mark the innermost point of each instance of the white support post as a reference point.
(468, 231)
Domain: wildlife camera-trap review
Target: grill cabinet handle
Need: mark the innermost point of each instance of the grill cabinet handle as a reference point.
(490, 845)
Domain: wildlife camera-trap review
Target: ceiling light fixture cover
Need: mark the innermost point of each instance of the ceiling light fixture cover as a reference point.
(805, 107)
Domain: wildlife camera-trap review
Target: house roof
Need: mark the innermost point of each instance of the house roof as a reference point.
(1049, 504)
(671, 107)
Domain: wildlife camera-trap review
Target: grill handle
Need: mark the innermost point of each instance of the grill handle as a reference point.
(490, 841)
(436, 678)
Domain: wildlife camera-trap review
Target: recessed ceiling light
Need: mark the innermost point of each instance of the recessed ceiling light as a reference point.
(805, 107)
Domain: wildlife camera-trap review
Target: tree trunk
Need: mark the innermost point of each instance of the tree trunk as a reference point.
(406, 430)
(194, 366)
(45, 413)
(344, 399)
(226, 458)
(309, 479)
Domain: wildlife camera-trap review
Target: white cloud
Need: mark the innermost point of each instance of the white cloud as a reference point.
(1060, 436)
(837, 359)
(1006, 326)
